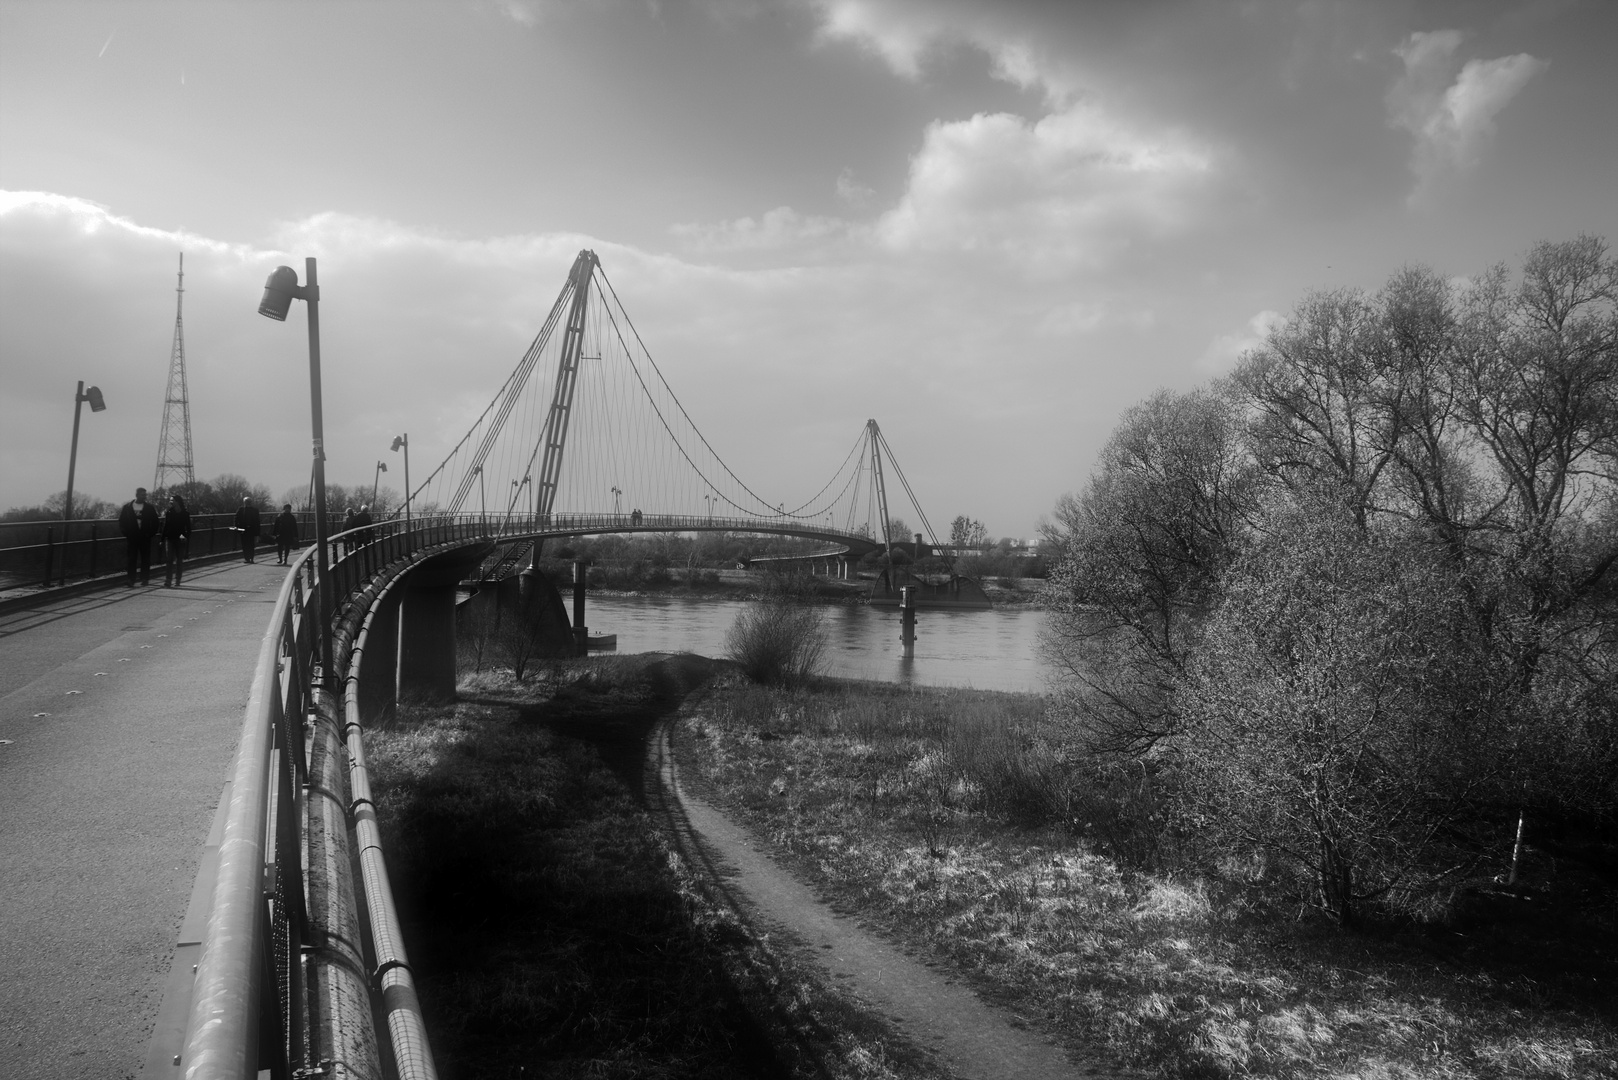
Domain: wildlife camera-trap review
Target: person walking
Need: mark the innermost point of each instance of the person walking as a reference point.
(138, 522)
(247, 524)
(285, 531)
(176, 539)
(348, 523)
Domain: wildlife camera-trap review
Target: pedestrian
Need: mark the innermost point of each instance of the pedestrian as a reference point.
(362, 522)
(348, 539)
(285, 531)
(138, 522)
(247, 524)
(176, 539)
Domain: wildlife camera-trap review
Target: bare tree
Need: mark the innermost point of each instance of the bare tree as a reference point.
(1140, 553)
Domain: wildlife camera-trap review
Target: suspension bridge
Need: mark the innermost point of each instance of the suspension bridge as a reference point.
(587, 436)
(287, 960)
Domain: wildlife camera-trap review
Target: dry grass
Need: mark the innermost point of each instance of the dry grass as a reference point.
(916, 809)
(554, 928)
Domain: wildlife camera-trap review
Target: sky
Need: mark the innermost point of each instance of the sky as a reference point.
(992, 226)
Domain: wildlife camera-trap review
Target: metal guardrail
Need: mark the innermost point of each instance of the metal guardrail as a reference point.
(251, 1007)
(47, 553)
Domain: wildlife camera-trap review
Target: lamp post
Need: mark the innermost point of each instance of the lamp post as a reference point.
(280, 289)
(376, 478)
(483, 505)
(617, 493)
(709, 500)
(404, 441)
(97, 404)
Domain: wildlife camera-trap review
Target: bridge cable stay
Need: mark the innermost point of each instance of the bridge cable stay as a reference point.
(504, 400)
(914, 502)
(615, 437)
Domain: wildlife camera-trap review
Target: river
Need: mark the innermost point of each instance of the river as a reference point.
(988, 650)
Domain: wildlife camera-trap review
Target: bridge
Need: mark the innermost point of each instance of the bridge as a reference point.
(288, 972)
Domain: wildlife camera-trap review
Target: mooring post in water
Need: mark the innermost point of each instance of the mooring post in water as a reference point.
(581, 633)
(907, 620)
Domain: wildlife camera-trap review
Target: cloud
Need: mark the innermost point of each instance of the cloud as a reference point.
(1068, 189)
(773, 230)
(1223, 351)
(521, 12)
(902, 33)
(1451, 121)
(852, 192)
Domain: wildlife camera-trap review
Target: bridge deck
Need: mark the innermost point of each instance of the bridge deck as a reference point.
(106, 798)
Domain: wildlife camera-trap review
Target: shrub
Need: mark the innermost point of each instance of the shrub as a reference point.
(777, 640)
(1340, 715)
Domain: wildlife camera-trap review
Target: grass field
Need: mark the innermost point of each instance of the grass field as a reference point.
(554, 930)
(914, 808)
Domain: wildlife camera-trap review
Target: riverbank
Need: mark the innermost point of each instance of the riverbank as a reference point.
(554, 926)
(729, 584)
(960, 823)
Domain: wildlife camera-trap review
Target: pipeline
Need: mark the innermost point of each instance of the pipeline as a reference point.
(392, 975)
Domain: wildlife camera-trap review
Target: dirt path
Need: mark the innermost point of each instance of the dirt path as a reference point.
(971, 1038)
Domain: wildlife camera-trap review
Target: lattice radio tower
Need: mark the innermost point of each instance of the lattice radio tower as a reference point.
(174, 445)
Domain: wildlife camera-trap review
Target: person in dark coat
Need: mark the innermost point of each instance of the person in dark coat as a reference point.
(247, 524)
(176, 538)
(138, 522)
(362, 521)
(285, 531)
(348, 523)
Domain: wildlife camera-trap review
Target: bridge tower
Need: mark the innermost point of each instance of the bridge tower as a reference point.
(878, 486)
(174, 444)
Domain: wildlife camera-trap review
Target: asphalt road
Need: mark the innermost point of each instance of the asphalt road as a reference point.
(119, 714)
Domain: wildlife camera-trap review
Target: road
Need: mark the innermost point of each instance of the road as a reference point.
(119, 715)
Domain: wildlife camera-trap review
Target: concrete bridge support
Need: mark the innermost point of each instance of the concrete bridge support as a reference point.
(426, 621)
(379, 665)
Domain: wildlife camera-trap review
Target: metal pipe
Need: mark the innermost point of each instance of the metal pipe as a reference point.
(341, 1027)
(407, 1030)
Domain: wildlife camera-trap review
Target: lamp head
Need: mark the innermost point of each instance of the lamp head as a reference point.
(280, 289)
(398, 441)
(92, 394)
(382, 466)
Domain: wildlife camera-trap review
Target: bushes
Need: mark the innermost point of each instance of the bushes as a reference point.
(777, 640)
(1341, 714)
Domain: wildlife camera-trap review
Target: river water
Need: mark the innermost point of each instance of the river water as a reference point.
(988, 650)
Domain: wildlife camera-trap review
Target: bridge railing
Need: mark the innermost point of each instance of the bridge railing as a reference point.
(47, 553)
(250, 1010)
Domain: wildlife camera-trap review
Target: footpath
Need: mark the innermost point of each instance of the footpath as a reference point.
(974, 1040)
(119, 714)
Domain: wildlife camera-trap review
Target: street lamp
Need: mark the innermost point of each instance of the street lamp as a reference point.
(616, 493)
(376, 477)
(483, 506)
(404, 441)
(97, 404)
(280, 289)
(709, 500)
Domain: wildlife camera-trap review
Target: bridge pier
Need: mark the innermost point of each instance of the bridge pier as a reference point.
(378, 687)
(426, 621)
